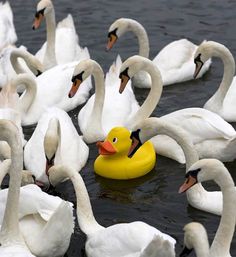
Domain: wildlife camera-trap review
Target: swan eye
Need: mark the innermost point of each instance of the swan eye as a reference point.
(114, 140)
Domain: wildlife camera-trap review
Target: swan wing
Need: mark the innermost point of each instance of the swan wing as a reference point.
(176, 62)
(201, 124)
(123, 240)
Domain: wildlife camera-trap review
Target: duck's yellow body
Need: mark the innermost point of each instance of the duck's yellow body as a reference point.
(113, 161)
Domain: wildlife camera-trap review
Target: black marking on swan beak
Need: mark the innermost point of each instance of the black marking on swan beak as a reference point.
(192, 173)
(124, 73)
(113, 32)
(79, 77)
(38, 73)
(37, 14)
(136, 142)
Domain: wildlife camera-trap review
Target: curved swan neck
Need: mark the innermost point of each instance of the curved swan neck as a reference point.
(86, 219)
(50, 53)
(142, 36)
(96, 115)
(155, 126)
(10, 224)
(153, 97)
(31, 89)
(221, 243)
(224, 54)
(26, 56)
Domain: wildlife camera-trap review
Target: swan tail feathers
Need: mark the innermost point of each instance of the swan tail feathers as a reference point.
(160, 246)
(56, 224)
(113, 74)
(67, 22)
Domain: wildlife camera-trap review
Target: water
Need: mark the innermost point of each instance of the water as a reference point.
(152, 198)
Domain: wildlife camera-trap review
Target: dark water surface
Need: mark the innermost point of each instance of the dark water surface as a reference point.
(153, 198)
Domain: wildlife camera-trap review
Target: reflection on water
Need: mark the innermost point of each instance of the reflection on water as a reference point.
(153, 198)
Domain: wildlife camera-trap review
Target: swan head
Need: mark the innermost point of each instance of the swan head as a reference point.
(59, 173)
(203, 170)
(43, 8)
(117, 143)
(81, 72)
(130, 67)
(202, 54)
(27, 178)
(194, 236)
(51, 142)
(117, 29)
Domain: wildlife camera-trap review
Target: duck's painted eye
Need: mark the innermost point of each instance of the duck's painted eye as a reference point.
(114, 140)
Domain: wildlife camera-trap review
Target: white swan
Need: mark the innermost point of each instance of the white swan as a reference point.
(11, 241)
(62, 42)
(211, 135)
(41, 217)
(106, 108)
(54, 141)
(175, 61)
(49, 89)
(125, 239)
(212, 169)
(197, 196)
(7, 30)
(222, 102)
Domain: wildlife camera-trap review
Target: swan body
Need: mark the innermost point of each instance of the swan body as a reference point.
(212, 169)
(175, 61)
(113, 161)
(126, 239)
(207, 129)
(70, 149)
(106, 108)
(7, 30)
(223, 100)
(62, 41)
(11, 241)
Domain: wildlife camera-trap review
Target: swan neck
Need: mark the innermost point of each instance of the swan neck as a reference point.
(201, 247)
(142, 36)
(85, 216)
(15, 62)
(96, 115)
(153, 97)
(229, 70)
(50, 53)
(222, 241)
(10, 224)
(29, 95)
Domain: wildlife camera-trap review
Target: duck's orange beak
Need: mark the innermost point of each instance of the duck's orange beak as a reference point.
(37, 21)
(106, 148)
(74, 88)
(189, 182)
(111, 41)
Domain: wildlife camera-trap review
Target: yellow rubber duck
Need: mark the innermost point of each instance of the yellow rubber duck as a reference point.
(113, 161)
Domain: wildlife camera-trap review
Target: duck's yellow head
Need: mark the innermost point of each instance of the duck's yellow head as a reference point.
(117, 142)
